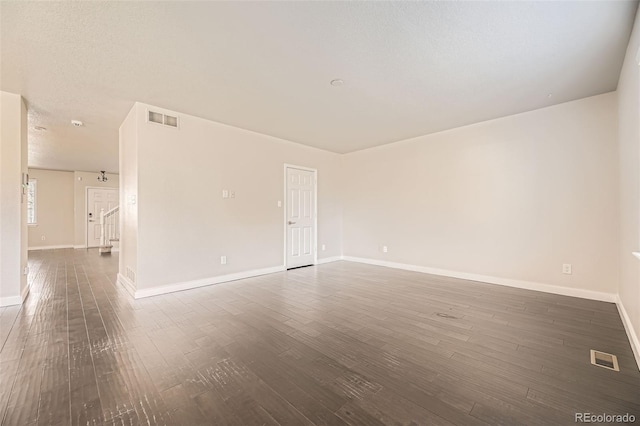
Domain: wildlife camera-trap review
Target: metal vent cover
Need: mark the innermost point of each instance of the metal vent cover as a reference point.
(164, 119)
(155, 117)
(170, 121)
(130, 275)
(604, 360)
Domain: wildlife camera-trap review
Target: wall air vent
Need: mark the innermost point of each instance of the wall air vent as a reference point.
(604, 360)
(131, 276)
(170, 121)
(159, 118)
(155, 117)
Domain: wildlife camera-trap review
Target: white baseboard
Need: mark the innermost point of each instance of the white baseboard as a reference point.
(631, 332)
(187, 285)
(528, 285)
(81, 246)
(10, 301)
(64, 246)
(127, 284)
(328, 260)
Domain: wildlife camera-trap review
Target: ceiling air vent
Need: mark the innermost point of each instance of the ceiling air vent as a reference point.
(159, 118)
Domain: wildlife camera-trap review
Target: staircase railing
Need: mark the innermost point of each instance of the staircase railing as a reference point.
(109, 226)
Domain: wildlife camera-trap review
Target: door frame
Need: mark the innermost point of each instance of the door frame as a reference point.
(315, 210)
(86, 210)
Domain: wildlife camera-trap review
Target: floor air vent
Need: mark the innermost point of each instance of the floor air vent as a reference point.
(604, 360)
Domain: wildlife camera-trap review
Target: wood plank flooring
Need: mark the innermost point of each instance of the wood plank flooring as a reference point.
(337, 344)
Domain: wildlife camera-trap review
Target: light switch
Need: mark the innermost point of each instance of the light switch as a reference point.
(225, 193)
(279, 203)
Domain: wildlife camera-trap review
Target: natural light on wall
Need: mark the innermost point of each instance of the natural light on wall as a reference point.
(637, 253)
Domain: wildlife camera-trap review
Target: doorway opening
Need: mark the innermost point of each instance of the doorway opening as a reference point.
(98, 199)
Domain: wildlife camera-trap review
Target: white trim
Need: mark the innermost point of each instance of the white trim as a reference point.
(315, 211)
(25, 292)
(81, 246)
(187, 285)
(328, 260)
(127, 284)
(63, 246)
(628, 327)
(10, 301)
(528, 285)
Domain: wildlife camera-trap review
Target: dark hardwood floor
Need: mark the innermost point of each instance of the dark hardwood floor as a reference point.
(341, 343)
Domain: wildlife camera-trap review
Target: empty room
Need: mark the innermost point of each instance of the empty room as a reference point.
(319, 213)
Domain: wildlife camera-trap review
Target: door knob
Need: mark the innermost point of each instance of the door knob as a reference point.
(291, 223)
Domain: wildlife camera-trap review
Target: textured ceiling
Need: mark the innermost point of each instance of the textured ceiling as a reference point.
(410, 68)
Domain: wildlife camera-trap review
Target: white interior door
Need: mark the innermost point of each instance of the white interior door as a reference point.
(98, 199)
(300, 217)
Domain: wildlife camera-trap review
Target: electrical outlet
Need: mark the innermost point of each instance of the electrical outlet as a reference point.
(566, 268)
(223, 260)
(43, 238)
(324, 247)
(385, 249)
(232, 194)
(279, 203)
(26, 270)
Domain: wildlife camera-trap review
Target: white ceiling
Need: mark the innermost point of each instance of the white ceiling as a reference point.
(410, 68)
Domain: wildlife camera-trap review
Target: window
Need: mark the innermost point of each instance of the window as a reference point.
(31, 202)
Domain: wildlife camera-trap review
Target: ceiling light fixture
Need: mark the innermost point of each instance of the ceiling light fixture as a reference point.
(337, 82)
(77, 123)
(103, 176)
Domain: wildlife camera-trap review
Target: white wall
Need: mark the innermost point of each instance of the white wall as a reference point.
(629, 151)
(128, 260)
(82, 181)
(54, 209)
(13, 210)
(512, 198)
(184, 225)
